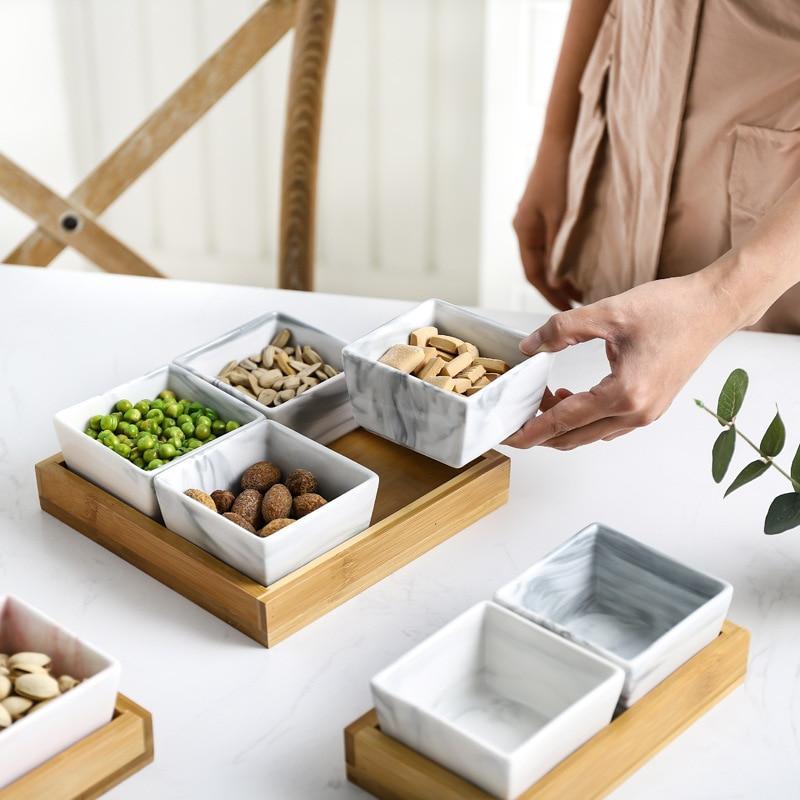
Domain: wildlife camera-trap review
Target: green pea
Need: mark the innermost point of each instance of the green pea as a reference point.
(110, 441)
(231, 425)
(139, 461)
(109, 423)
(157, 403)
(146, 441)
(123, 437)
(123, 405)
(103, 435)
(211, 414)
(149, 454)
(157, 429)
(156, 414)
(171, 410)
(132, 415)
(143, 406)
(182, 419)
(203, 420)
(91, 432)
(145, 425)
(173, 432)
(193, 444)
(187, 428)
(181, 407)
(94, 422)
(177, 444)
(167, 451)
(202, 431)
(117, 414)
(167, 394)
(217, 427)
(154, 464)
(211, 438)
(195, 406)
(122, 449)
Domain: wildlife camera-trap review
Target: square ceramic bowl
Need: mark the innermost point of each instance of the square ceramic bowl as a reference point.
(634, 606)
(34, 739)
(115, 474)
(322, 413)
(496, 699)
(349, 488)
(445, 426)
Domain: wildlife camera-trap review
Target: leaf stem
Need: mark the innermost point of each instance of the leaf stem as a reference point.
(767, 459)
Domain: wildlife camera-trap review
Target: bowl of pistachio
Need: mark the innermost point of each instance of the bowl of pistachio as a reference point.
(55, 688)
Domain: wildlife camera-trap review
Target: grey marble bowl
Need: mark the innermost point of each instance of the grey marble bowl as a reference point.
(349, 488)
(445, 426)
(322, 413)
(633, 605)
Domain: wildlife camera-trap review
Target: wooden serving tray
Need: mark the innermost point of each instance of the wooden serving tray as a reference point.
(96, 763)
(389, 770)
(420, 504)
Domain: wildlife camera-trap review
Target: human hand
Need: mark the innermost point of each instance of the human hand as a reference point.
(538, 219)
(656, 335)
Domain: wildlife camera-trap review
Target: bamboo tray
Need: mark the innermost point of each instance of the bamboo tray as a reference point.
(389, 770)
(96, 763)
(420, 504)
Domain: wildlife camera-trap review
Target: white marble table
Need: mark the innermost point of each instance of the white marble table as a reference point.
(235, 720)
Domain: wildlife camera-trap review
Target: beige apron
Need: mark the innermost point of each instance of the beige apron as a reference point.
(689, 131)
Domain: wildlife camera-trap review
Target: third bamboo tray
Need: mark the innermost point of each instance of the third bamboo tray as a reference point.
(391, 771)
(420, 504)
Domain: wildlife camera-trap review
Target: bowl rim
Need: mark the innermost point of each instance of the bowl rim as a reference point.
(112, 665)
(59, 418)
(274, 539)
(351, 350)
(635, 662)
(184, 359)
(615, 673)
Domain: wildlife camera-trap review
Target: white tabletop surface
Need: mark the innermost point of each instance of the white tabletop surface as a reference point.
(235, 720)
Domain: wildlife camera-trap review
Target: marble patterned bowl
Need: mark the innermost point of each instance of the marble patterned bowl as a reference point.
(322, 413)
(349, 488)
(496, 699)
(95, 462)
(445, 426)
(34, 739)
(629, 603)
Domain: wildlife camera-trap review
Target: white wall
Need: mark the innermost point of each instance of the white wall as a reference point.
(431, 116)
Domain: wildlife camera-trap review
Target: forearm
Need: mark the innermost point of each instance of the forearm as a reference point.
(752, 276)
(585, 18)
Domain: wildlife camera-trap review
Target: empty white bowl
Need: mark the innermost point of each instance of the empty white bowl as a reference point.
(496, 699)
(322, 413)
(349, 488)
(34, 739)
(446, 426)
(97, 463)
(629, 603)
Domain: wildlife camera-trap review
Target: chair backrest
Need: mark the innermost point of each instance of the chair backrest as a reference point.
(71, 221)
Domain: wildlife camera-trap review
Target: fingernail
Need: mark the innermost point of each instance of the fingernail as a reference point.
(530, 345)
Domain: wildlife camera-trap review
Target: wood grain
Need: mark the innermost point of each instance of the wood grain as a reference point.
(420, 504)
(389, 770)
(49, 209)
(145, 145)
(96, 763)
(313, 27)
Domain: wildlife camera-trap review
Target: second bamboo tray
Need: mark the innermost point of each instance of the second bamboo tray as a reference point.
(420, 504)
(96, 763)
(389, 770)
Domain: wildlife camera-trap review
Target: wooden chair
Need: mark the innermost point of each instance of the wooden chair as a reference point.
(72, 221)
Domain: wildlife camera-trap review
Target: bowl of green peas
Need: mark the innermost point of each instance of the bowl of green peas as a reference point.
(121, 439)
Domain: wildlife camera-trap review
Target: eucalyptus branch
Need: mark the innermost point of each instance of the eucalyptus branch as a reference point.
(766, 459)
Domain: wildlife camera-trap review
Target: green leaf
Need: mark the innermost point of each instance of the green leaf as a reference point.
(783, 514)
(774, 438)
(732, 395)
(721, 453)
(795, 473)
(749, 473)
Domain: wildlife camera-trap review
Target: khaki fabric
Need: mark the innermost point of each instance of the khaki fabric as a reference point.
(689, 131)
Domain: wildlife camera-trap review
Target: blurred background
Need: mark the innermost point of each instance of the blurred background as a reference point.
(433, 110)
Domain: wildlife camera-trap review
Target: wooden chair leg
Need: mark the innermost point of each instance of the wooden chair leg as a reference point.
(65, 223)
(163, 128)
(313, 26)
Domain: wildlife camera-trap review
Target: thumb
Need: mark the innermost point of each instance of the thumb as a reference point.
(563, 330)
